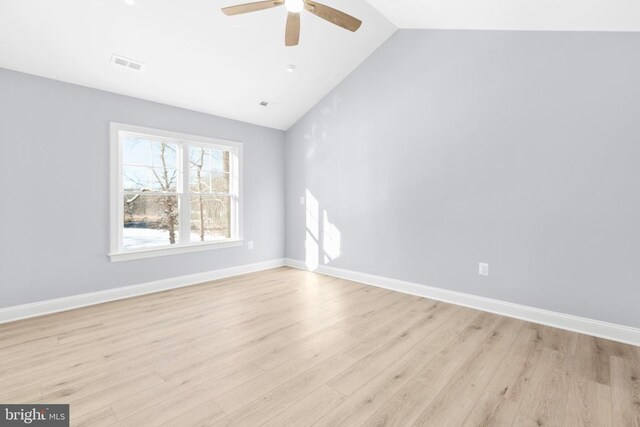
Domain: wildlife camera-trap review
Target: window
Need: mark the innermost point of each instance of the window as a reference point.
(172, 193)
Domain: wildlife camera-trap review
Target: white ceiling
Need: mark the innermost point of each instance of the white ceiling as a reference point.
(200, 59)
(550, 15)
(195, 57)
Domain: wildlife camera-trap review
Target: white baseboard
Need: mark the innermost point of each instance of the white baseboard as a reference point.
(611, 331)
(596, 328)
(18, 312)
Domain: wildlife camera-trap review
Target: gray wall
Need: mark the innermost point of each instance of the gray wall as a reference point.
(449, 148)
(54, 174)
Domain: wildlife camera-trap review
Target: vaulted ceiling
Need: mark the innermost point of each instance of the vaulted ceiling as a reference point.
(197, 58)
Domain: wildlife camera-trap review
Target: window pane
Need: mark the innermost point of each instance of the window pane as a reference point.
(208, 182)
(149, 165)
(150, 221)
(210, 218)
(208, 170)
(139, 151)
(143, 178)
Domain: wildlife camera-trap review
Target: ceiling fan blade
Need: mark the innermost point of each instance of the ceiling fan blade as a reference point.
(332, 15)
(292, 32)
(251, 7)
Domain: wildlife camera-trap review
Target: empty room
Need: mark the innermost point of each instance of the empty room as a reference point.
(293, 213)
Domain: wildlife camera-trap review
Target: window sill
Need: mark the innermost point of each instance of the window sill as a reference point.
(174, 250)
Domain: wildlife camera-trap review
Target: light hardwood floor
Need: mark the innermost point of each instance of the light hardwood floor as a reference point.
(287, 347)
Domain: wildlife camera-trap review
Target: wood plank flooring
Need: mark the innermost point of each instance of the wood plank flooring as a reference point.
(286, 347)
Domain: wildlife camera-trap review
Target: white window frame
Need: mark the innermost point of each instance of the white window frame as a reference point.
(117, 252)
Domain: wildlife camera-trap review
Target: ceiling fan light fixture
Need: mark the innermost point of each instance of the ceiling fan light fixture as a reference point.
(294, 6)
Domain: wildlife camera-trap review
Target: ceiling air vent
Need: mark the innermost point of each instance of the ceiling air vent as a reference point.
(267, 104)
(127, 63)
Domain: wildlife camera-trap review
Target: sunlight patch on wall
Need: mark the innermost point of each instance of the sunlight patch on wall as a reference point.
(311, 246)
(312, 213)
(323, 240)
(331, 239)
(311, 252)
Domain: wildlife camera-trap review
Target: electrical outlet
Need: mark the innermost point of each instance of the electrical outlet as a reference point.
(302, 200)
(483, 269)
(250, 244)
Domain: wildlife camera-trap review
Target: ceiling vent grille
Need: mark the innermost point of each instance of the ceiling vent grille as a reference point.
(127, 63)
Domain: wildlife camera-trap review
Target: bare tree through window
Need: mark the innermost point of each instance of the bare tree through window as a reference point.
(175, 191)
(210, 199)
(151, 172)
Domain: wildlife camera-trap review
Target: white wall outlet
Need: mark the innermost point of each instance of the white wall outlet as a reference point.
(302, 200)
(483, 269)
(250, 244)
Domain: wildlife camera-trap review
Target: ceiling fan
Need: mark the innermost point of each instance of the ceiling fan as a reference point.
(294, 7)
